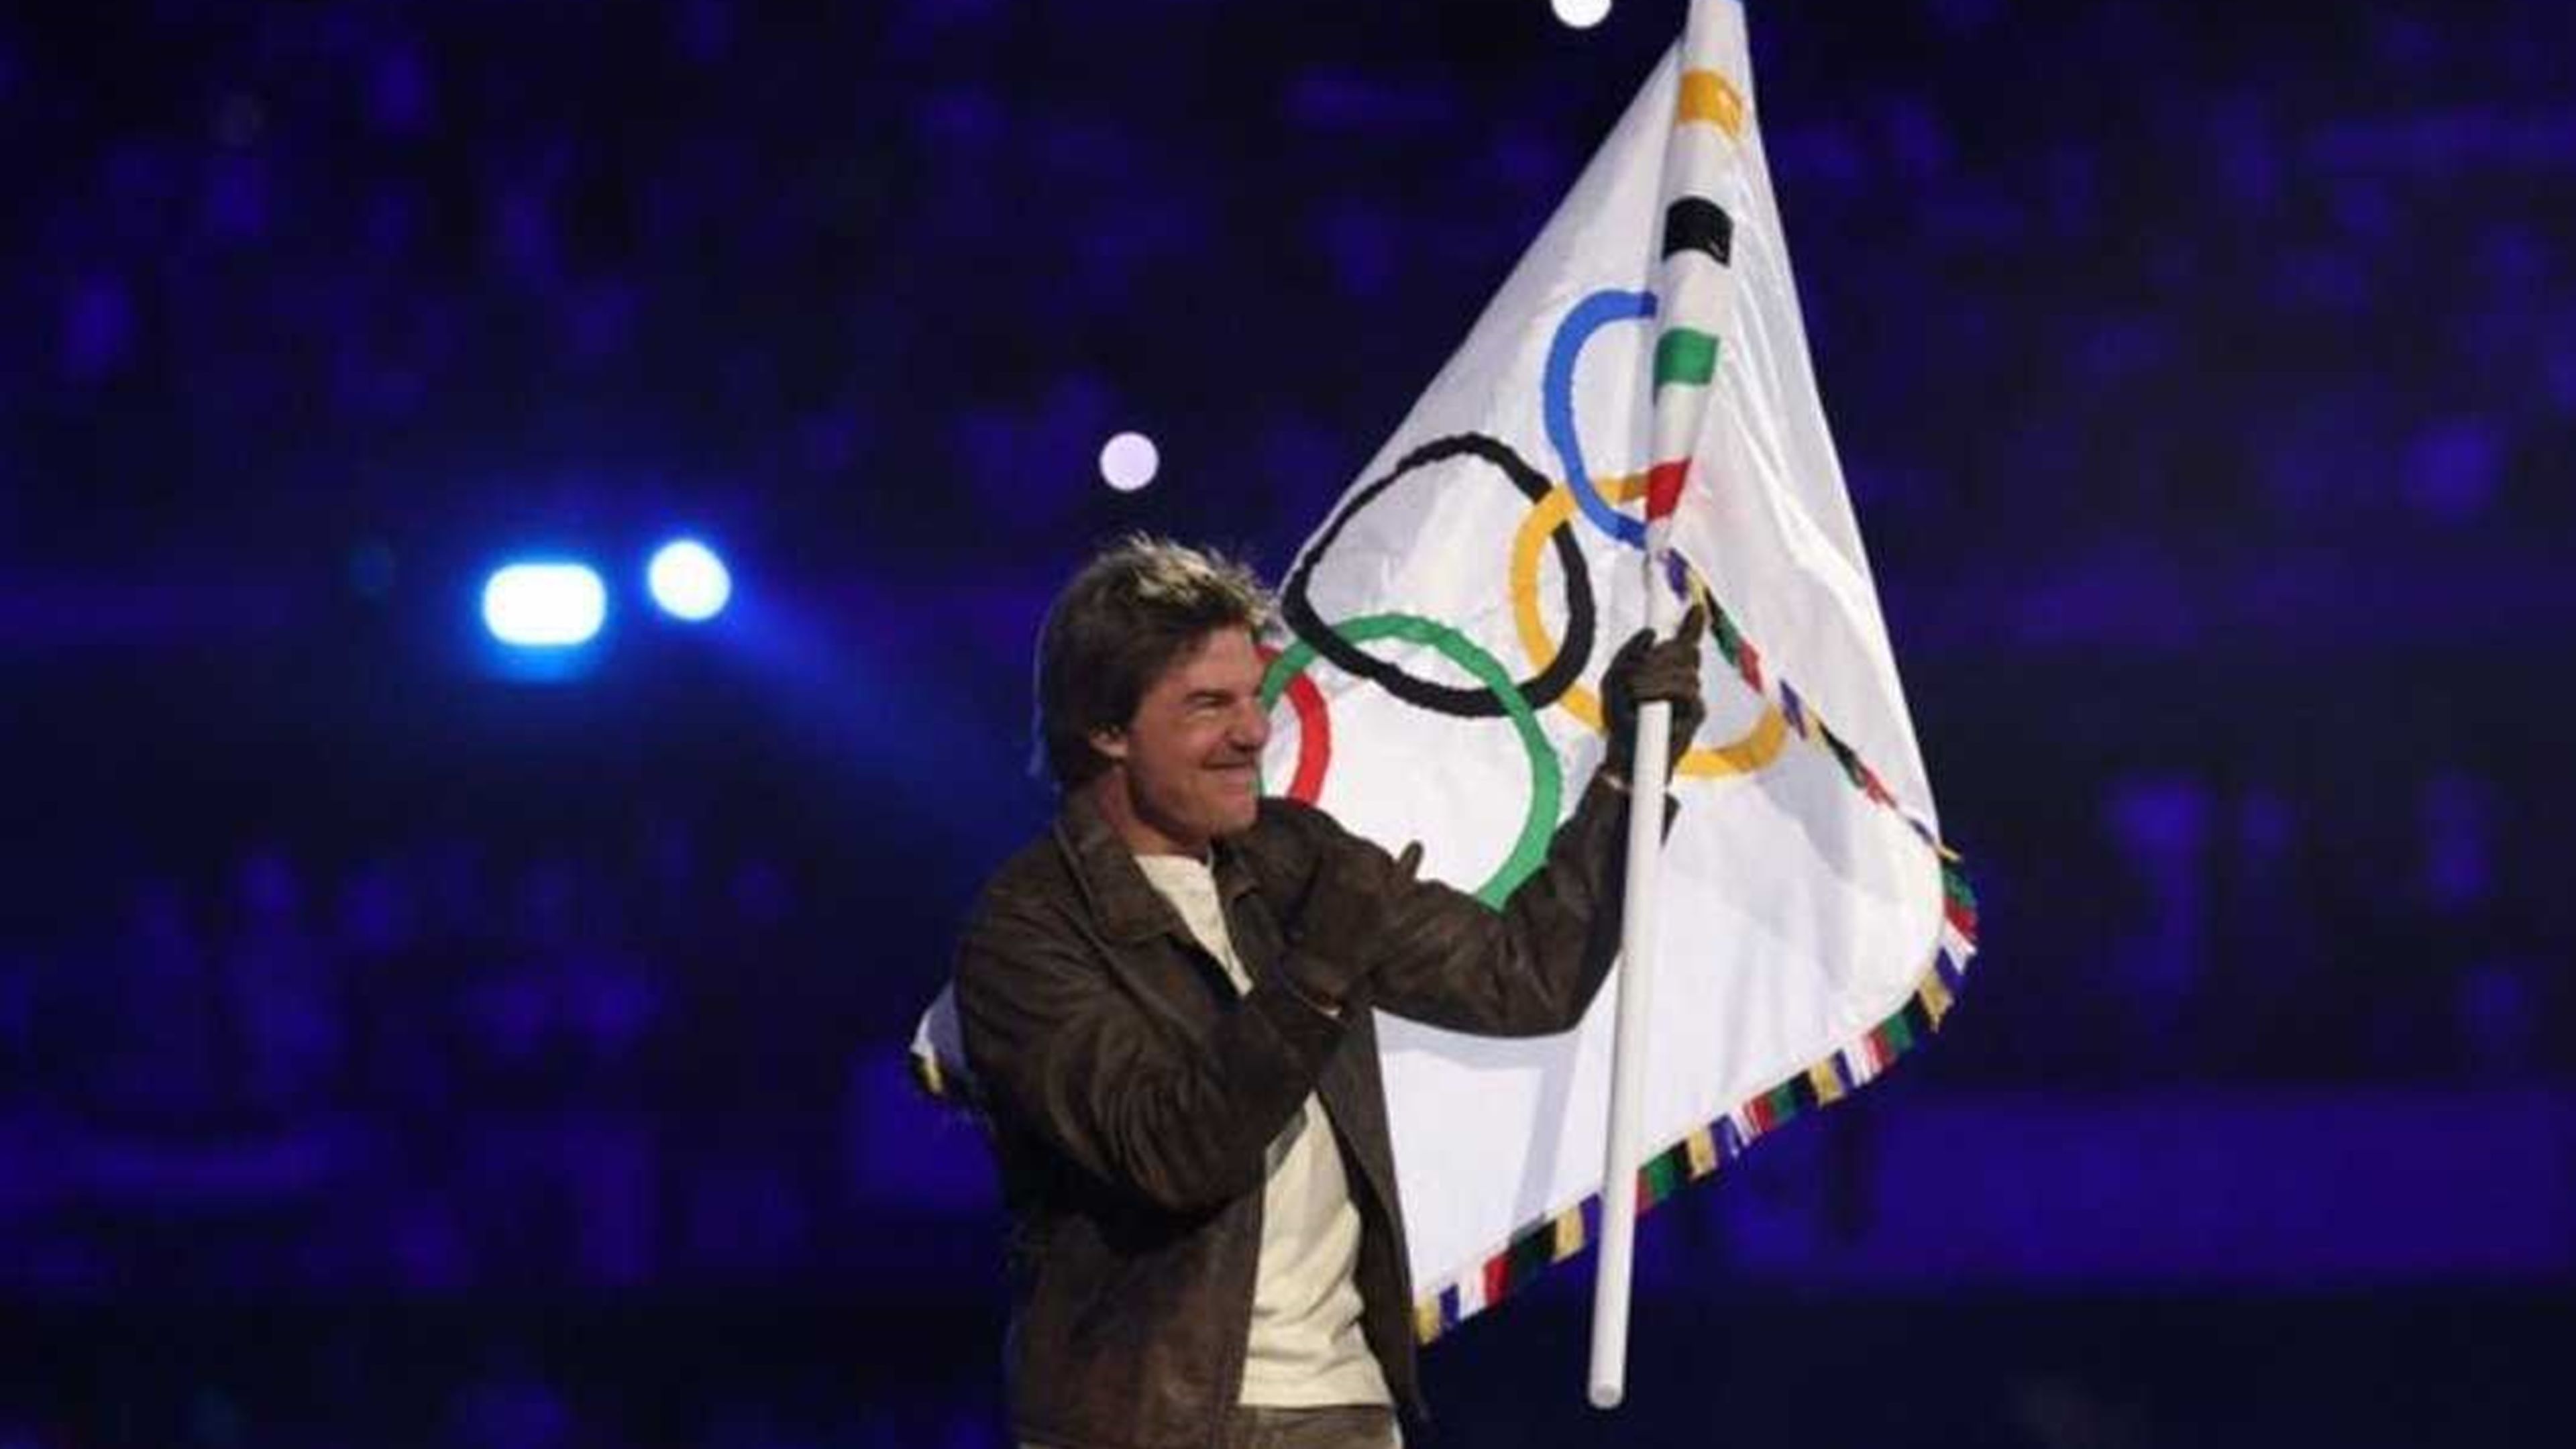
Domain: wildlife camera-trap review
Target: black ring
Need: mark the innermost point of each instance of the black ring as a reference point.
(1472, 701)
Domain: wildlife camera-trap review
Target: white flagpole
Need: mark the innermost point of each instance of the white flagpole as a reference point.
(1646, 775)
(1707, 31)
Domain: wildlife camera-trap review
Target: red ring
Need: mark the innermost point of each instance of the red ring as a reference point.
(1314, 736)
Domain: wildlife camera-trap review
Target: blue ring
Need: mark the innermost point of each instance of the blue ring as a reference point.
(1556, 402)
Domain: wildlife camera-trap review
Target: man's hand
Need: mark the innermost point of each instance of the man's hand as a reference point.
(1346, 907)
(1645, 669)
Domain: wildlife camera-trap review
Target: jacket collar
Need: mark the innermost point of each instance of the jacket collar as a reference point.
(1121, 901)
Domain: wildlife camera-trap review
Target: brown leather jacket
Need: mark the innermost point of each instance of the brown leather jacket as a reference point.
(1132, 1093)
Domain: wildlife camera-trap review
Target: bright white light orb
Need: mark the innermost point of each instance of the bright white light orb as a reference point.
(1581, 14)
(1129, 461)
(688, 580)
(544, 605)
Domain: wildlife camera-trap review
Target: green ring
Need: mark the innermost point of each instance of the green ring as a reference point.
(1547, 780)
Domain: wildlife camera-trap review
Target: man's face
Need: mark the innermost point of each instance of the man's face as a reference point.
(1193, 749)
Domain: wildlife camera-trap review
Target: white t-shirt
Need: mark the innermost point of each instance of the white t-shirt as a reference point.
(1306, 1348)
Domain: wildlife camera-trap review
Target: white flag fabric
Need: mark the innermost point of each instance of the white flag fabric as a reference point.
(1444, 630)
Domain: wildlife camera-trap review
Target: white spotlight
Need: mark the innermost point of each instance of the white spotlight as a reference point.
(688, 580)
(544, 605)
(1581, 14)
(1129, 461)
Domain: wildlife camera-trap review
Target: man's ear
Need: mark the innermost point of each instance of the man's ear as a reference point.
(1110, 741)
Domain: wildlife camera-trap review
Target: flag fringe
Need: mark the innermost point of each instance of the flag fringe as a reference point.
(1699, 1153)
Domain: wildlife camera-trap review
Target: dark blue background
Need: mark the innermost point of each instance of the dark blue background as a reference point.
(396, 1052)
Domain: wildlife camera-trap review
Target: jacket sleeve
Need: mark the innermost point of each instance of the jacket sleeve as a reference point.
(1058, 1047)
(1530, 969)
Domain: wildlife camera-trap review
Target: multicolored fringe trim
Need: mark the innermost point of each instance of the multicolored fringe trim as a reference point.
(1702, 1151)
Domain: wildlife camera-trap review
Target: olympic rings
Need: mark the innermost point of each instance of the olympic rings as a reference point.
(1557, 664)
(1547, 783)
(1541, 689)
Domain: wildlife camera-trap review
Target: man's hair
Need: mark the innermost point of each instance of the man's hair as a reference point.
(1136, 607)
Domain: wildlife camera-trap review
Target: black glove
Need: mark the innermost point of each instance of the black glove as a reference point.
(1346, 908)
(1645, 669)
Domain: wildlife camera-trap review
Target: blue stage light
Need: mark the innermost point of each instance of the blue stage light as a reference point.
(544, 605)
(688, 580)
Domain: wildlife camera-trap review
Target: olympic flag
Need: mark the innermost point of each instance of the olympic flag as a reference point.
(1641, 377)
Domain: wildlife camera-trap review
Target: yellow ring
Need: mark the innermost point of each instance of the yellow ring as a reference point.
(1749, 752)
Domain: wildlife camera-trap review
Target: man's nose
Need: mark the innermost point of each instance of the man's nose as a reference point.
(1251, 725)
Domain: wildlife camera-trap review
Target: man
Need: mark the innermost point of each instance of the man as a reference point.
(1165, 1006)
